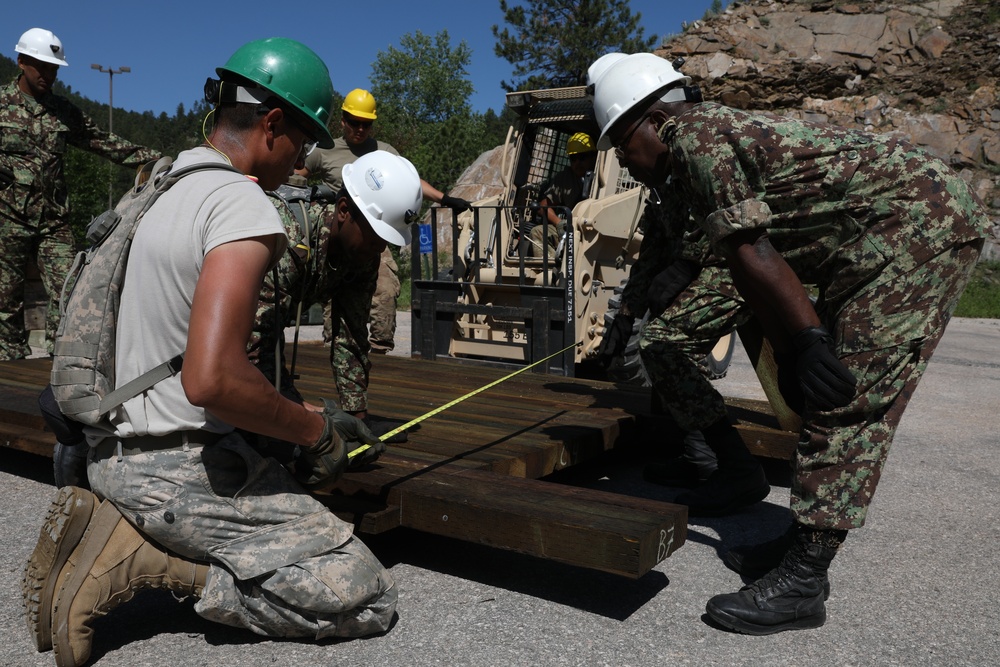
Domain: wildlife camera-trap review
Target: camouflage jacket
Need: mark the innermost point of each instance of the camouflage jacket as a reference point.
(34, 135)
(843, 207)
(668, 234)
(307, 273)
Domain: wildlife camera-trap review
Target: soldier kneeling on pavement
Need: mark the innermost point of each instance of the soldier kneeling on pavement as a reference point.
(180, 500)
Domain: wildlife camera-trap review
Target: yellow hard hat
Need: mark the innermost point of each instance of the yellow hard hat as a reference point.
(580, 143)
(360, 103)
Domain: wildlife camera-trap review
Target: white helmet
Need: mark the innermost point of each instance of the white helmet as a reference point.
(386, 188)
(600, 65)
(43, 45)
(623, 82)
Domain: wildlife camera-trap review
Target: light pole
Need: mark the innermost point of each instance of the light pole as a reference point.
(111, 105)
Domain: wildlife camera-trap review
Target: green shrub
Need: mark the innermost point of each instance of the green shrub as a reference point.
(982, 297)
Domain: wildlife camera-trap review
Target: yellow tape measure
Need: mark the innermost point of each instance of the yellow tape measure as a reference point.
(458, 400)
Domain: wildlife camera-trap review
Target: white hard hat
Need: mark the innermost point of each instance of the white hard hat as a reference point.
(386, 188)
(43, 45)
(600, 65)
(625, 82)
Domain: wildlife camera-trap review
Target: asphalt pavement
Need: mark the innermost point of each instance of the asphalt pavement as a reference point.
(914, 587)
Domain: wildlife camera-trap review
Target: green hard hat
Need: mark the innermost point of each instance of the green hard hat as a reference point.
(293, 72)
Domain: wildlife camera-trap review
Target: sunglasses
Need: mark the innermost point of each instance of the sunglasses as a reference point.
(358, 124)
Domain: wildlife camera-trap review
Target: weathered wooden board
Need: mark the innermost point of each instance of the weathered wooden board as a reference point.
(473, 472)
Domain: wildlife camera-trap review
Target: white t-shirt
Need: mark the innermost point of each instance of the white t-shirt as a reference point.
(198, 213)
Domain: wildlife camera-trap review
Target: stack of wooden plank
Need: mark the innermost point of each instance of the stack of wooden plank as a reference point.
(476, 470)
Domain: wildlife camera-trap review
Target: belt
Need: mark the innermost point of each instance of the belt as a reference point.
(157, 443)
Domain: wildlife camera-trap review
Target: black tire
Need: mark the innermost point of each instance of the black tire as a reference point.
(718, 360)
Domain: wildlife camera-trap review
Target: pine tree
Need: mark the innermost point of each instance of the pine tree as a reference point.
(422, 90)
(551, 43)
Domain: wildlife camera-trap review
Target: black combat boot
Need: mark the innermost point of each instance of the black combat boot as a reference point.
(737, 482)
(688, 470)
(755, 560)
(789, 597)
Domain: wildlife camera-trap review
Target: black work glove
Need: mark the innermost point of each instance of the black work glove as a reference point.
(826, 382)
(324, 463)
(456, 203)
(615, 339)
(669, 283)
(380, 426)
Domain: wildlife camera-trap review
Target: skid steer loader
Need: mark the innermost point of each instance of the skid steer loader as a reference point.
(496, 297)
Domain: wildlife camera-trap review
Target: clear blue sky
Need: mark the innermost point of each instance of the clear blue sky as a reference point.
(173, 46)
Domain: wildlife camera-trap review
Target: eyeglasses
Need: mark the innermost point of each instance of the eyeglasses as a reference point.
(627, 139)
(357, 124)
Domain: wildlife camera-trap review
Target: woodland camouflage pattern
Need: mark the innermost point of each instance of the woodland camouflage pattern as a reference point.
(317, 278)
(34, 207)
(886, 232)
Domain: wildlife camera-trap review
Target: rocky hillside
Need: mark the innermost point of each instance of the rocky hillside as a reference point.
(927, 71)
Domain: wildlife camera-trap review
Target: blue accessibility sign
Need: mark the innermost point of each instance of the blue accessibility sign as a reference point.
(426, 241)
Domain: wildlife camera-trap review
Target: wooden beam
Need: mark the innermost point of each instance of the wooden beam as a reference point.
(603, 531)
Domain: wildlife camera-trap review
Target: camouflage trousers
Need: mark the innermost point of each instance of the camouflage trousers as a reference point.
(382, 320)
(281, 564)
(885, 334)
(672, 345)
(49, 243)
(545, 246)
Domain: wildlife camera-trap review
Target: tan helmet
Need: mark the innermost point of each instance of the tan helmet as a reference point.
(42, 45)
(580, 143)
(360, 103)
(386, 188)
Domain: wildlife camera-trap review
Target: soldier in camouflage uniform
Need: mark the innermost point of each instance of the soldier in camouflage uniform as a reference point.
(333, 257)
(36, 127)
(674, 340)
(357, 119)
(181, 501)
(887, 234)
(565, 190)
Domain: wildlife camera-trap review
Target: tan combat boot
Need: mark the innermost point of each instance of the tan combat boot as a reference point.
(65, 524)
(112, 562)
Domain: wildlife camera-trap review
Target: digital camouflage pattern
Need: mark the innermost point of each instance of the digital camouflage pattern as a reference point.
(327, 164)
(83, 362)
(34, 206)
(316, 276)
(886, 232)
(282, 564)
(673, 343)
